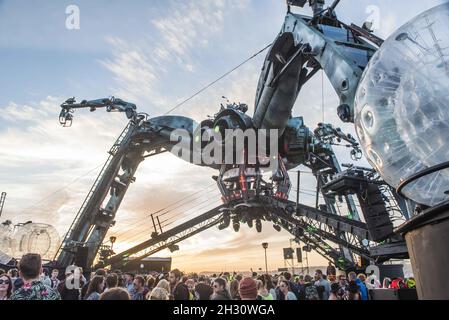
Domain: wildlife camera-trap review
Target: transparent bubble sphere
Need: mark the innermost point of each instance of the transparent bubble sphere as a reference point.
(402, 107)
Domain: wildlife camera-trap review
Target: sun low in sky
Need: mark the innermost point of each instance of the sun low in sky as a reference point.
(154, 54)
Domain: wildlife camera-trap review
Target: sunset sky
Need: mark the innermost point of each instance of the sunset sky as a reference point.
(155, 54)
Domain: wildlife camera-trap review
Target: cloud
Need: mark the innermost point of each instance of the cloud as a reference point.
(135, 72)
(184, 27)
(38, 157)
(141, 69)
(13, 112)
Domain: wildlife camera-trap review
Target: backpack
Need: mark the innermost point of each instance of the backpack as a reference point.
(311, 293)
(320, 290)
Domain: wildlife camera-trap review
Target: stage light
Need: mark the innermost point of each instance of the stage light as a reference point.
(258, 225)
(402, 112)
(225, 223)
(236, 224)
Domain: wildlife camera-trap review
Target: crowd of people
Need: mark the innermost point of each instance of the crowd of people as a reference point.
(31, 282)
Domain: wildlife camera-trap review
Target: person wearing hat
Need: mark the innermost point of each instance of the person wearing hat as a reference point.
(248, 289)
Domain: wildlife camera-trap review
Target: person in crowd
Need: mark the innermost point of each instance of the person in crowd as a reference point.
(293, 286)
(353, 291)
(362, 292)
(284, 287)
(17, 282)
(331, 278)
(203, 291)
(83, 278)
(95, 289)
(13, 274)
(411, 283)
(190, 283)
(221, 292)
(310, 290)
(164, 284)
(361, 278)
(151, 282)
(179, 290)
(335, 289)
(115, 294)
(248, 289)
(111, 281)
(279, 294)
(331, 270)
(158, 294)
(129, 282)
(45, 278)
(85, 286)
(139, 288)
(2, 271)
(343, 283)
(323, 286)
(121, 279)
(253, 274)
(397, 283)
(72, 286)
(270, 286)
(5, 287)
(234, 290)
(301, 287)
(262, 291)
(54, 281)
(30, 268)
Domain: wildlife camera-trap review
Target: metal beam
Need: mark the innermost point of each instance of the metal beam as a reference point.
(2, 202)
(177, 234)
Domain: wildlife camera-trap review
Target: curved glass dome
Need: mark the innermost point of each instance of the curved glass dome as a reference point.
(6, 234)
(402, 106)
(35, 238)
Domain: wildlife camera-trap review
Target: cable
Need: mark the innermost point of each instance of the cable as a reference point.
(146, 217)
(218, 79)
(164, 213)
(138, 236)
(322, 94)
(182, 213)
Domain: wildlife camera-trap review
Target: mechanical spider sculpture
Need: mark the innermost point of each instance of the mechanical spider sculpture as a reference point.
(255, 188)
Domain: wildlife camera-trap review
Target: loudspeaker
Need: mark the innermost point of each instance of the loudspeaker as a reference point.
(288, 253)
(299, 255)
(376, 215)
(81, 257)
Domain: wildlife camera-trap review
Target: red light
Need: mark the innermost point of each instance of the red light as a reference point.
(243, 182)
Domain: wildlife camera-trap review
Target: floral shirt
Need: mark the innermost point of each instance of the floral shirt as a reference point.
(35, 290)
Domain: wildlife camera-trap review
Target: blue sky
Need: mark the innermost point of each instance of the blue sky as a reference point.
(153, 53)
